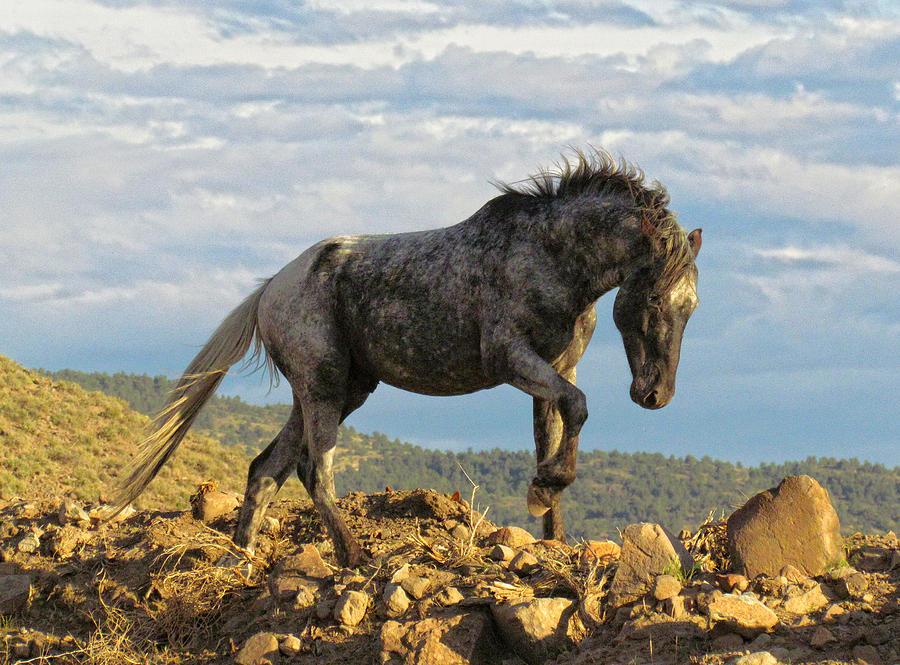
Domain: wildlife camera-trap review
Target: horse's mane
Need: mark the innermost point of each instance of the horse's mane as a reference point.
(597, 172)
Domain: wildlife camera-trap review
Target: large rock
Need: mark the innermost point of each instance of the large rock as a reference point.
(647, 551)
(793, 523)
(448, 638)
(213, 504)
(743, 614)
(511, 536)
(539, 628)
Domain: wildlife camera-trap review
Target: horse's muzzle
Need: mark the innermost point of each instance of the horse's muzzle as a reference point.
(649, 392)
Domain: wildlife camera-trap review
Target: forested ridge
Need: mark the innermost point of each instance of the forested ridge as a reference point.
(613, 489)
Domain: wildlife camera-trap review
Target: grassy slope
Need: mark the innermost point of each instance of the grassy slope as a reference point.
(58, 439)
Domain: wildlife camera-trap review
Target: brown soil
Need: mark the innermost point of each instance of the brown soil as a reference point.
(147, 590)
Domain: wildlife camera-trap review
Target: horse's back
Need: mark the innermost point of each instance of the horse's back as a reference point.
(404, 309)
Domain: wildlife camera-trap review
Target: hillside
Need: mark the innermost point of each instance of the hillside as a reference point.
(612, 489)
(60, 440)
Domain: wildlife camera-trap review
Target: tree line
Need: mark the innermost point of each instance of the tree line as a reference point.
(613, 488)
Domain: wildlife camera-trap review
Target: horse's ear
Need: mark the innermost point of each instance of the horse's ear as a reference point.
(695, 238)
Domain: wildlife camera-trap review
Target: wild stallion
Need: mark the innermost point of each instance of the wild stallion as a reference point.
(506, 296)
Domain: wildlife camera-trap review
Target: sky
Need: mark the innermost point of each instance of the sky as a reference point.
(160, 156)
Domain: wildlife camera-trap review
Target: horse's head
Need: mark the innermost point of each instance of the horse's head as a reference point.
(651, 319)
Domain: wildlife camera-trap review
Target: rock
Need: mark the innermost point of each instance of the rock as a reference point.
(598, 552)
(866, 653)
(501, 553)
(270, 525)
(743, 614)
(523, 563)
(351, 607)
(395, 599)
(416, 586)
(871, 558)
(290, 645)
(665, 586)
(821, 637)
(30, 543)
(647, 551)
(448, 596)
(299, 576)
(793, 574)
(676, 607)
(809, 601)
(756, 658)
(66, 540)
(461, 532)
(446, 638)
(511, 536)
(850, 583)
(71, 513)
(537, 629)
(400, 574)
(261, 649)
(732, 582)
(793, 523)
(833, 612)
(15, 592)
(210, 505)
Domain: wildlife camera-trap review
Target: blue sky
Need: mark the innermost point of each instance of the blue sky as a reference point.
(160, 156)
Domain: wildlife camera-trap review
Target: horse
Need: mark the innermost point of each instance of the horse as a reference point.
(505, 296)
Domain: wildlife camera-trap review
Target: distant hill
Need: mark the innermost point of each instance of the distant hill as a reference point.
(613, 489)
(57, 439)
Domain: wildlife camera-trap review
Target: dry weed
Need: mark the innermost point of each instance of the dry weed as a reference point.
(709, 545)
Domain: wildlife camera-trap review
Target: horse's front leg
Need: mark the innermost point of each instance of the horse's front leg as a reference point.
(557, 452)
(545, 491)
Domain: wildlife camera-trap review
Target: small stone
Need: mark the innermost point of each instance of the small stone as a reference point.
(665, 586)
(395, 599)
(461, 532)
(30, 543)
(308, 563)
(732, 582)
(261, 649)
(325, 607)
(448, 596)
(675, 607)
(523, 563)
(270, 525)
(501, 553)
(833, 612)
(742, 614)
(351, 607)
(290, 645)
(821, 637)
(793, 574)
(400, 574)
(416, 586)
(70, 513)
(756, 658)
(511, 536)
(809, 601)
(853, 585)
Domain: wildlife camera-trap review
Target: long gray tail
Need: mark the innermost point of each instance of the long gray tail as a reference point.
(228, 344)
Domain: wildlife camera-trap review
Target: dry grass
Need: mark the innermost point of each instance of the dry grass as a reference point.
(709, 545)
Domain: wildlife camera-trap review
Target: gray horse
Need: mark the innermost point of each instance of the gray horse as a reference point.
(506, 296)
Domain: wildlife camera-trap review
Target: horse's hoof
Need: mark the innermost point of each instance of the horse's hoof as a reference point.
(538, 502)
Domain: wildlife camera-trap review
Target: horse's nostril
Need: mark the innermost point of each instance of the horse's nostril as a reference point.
(650, 400)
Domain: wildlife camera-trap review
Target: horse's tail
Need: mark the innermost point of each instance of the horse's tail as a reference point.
(228, 344)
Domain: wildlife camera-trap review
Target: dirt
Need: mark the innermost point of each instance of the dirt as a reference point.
(148, 590)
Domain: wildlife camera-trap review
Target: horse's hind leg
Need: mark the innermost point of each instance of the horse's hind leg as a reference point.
(266, 476)
(321, 420)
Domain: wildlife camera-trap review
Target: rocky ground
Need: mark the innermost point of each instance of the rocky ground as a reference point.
(444, 586)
